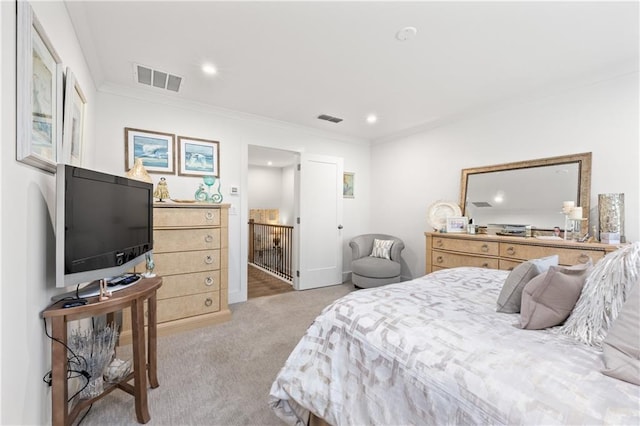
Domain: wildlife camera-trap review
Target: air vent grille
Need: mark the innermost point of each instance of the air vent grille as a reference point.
(481, 204)
(329, 118)
(160, 79)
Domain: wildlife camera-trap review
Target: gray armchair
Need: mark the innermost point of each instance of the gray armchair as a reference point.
(367, 271)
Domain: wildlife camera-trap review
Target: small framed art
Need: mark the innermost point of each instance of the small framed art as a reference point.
(348, 184)
(198, 157)
(72, 132)
(156, 149)
(39, 94)
(457, 224)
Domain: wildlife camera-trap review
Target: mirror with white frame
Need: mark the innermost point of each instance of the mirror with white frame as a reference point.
(527, 192)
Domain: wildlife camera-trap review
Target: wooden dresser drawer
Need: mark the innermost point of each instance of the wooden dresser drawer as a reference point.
(188, 306)
(466, 246)
(168, 240)
(508, 265)
(186, 284)
(185, 217)
(178, 307)
(185, 262)
(451, 260)
(567, 256)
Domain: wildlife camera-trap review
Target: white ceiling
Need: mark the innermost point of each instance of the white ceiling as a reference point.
(292, 61)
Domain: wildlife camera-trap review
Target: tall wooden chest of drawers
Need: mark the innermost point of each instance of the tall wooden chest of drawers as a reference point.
(500, 252)
(190, 252)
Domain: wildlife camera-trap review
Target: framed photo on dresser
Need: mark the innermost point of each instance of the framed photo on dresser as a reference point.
(457, 224)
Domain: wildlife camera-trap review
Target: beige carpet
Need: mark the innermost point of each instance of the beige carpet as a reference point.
(221, 375)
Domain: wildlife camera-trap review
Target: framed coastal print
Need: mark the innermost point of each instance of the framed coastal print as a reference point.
(155, 149)
(74, 110)
(39, 93)
(198, 157)
(457, 224)
(347, 184)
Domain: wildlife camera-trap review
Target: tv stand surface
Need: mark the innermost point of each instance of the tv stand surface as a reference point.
(93, 288)
(144, 364)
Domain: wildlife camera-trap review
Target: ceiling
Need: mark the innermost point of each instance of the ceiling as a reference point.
(292, 61)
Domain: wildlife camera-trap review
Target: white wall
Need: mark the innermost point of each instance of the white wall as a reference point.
(287, 203)
(235, 132)
(264, 187)
(602, 118)
(27, 198)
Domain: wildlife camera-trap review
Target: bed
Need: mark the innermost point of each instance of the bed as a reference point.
(435, 351)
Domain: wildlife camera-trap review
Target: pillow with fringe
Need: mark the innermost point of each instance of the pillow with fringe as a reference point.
(603, 295)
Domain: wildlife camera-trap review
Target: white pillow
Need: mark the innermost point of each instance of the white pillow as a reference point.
(603, 295)
(381, 248)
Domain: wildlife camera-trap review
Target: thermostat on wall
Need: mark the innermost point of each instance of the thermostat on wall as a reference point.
(234, 190)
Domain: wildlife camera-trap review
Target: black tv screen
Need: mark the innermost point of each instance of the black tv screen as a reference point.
(104, 224)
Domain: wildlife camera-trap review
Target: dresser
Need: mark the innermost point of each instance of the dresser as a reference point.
(501, 252)
(190, 252)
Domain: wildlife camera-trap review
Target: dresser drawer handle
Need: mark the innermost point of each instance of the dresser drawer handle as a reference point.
(439, 243)
(511, 250)
(484, 248)
(209, 215)
(208, 302)
(583, 258)
(208, 238)
(485, 265)
(208, 260)
(208, 281)
(439, 259)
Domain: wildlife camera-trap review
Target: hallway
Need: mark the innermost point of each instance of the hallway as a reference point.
(261, 283)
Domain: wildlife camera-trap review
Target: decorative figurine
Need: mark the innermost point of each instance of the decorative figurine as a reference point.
(150, 264)
(201, 194)
(162, 191)
(138, 172)
(207, 195)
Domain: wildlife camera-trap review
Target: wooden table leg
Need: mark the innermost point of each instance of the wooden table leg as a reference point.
(59, 389)
(152, 342)
(139, 361)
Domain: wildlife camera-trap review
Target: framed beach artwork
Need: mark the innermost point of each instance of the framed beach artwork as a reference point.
(39, 93)
(74, 110)
(155, 149)
(198, 157)
(347, 184)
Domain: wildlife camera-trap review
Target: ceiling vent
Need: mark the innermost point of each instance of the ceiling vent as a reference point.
(329, 118)
(160, 79)
(481, 204)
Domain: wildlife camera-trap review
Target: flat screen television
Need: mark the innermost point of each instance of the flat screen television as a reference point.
(104, 224)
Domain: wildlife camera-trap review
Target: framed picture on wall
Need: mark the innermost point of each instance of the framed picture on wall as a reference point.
(198, 157)
(39, 94)
(72, 132)
(348, 184)
(156, 149)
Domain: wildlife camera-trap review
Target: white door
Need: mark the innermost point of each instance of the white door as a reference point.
(318, 233)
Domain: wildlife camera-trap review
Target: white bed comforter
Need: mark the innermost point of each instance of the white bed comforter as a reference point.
(435, 351)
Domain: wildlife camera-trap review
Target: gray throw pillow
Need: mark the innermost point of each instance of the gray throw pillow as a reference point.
(621, 347)
(549, 298)
(511, 293)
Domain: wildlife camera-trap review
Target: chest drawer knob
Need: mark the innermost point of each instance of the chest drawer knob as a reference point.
(484, 248)
(208, 281)
(511, 250)
(439, 243)
(439, 259)
(209, 215)
(208, 302)
(208, 260)
(485, 265)
(208, 238)
(583, 258)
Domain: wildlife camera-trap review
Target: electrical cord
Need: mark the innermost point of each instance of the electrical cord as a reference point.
(76, 365)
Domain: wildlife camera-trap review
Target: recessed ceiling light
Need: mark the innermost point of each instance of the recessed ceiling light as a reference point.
(209, 69)
(406, 33)
(372, 118)
(269, 163)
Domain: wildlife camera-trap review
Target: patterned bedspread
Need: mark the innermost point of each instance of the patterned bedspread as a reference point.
(435, 351)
